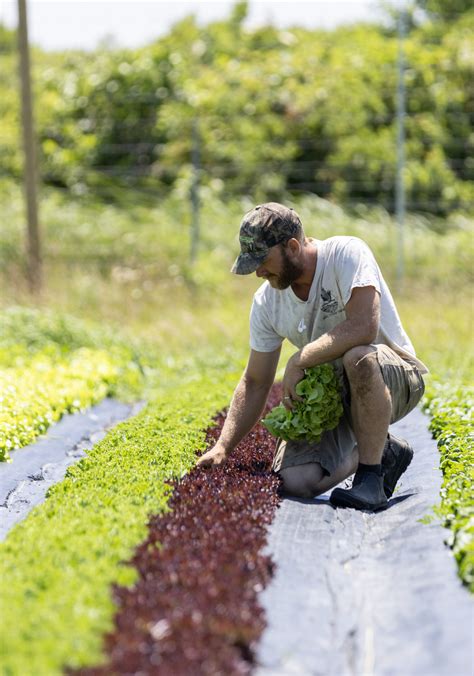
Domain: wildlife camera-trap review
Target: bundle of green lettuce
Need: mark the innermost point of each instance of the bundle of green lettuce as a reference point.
(319, 411)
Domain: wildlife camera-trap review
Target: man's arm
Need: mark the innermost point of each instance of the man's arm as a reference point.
(359, 328)
(247, 405)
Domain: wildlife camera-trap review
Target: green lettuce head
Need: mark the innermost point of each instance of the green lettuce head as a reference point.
(320, 410)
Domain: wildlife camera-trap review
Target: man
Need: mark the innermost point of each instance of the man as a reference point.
(328, 297)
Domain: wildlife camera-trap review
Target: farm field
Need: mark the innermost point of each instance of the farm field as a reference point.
(142, 323)
(118, 555)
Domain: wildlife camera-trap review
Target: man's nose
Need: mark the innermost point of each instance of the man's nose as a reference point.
(260, 271)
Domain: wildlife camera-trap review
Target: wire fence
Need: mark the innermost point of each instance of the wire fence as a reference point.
(318, 160)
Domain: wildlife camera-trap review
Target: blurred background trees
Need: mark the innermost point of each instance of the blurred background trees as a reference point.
(279, 111)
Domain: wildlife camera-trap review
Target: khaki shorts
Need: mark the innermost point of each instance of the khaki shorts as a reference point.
(406, 387)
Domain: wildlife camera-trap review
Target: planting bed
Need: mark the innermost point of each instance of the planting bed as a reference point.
(358, 593)
(196, 575)
(194, 608)
(451, 408)
(25, 482)
(57, 565)
(51, 365)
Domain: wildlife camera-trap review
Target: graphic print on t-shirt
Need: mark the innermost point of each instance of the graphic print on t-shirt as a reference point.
(329, 304)
(302, 326)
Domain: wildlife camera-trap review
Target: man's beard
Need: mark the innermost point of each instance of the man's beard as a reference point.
(290, 272)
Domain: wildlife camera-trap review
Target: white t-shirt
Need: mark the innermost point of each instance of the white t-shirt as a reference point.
(343, 263)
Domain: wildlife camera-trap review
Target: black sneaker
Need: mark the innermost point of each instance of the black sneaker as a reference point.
(397, 455)
(367, 492)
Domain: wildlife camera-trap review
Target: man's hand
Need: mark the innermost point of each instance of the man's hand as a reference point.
(293, 375)
(215, 456)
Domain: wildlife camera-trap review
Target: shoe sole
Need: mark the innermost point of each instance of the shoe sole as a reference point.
(405, 459)
(341, 499)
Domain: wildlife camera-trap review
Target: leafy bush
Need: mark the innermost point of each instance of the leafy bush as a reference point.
(271, 107)
(320, 410)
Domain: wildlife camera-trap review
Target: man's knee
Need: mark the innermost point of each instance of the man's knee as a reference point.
(360, 362)
(302, 480)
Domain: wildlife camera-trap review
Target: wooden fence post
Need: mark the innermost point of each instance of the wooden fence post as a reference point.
(30, 167)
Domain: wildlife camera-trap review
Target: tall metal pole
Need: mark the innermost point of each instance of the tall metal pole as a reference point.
(400, 200)
(195, 204)
(29, 145)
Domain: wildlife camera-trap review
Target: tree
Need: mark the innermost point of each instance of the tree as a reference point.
(445, 10)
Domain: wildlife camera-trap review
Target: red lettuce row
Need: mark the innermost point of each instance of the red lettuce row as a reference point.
(194, 609)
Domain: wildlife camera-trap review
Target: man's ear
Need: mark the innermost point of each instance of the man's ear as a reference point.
(294, 246)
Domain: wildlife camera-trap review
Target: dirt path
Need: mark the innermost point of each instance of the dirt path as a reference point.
(360, 594)
(34, 468)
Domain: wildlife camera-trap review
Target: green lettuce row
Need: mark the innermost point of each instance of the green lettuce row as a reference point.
(40, 387)
(320, 410)
(451, 409)
(57, 566)
(52, 363)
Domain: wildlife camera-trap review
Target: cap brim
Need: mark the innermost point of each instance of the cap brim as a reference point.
(246, 263)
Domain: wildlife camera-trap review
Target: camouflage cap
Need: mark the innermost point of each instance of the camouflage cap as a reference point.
(263, 227)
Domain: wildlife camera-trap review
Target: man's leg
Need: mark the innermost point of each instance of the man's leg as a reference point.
(371, 404)
(343, 471)
(309, 480)
(302, 481)
(371, 409)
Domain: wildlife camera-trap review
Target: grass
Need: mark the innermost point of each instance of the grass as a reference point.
(440, 324)
(126, 262)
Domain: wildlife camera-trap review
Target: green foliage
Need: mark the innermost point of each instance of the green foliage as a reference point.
(445, 10)
(52, 364)
(40, 329)
(272, 109)
(8, 40)
(142, 248)
(57, 566)
(451, 409)
(37, 391)
(319, 411)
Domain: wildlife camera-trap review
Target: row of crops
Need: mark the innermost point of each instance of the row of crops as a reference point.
(37, 390)
(51, 365)
(451, 408)
(59, 565)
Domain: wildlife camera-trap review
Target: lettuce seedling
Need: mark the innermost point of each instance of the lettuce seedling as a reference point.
(320, 410)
